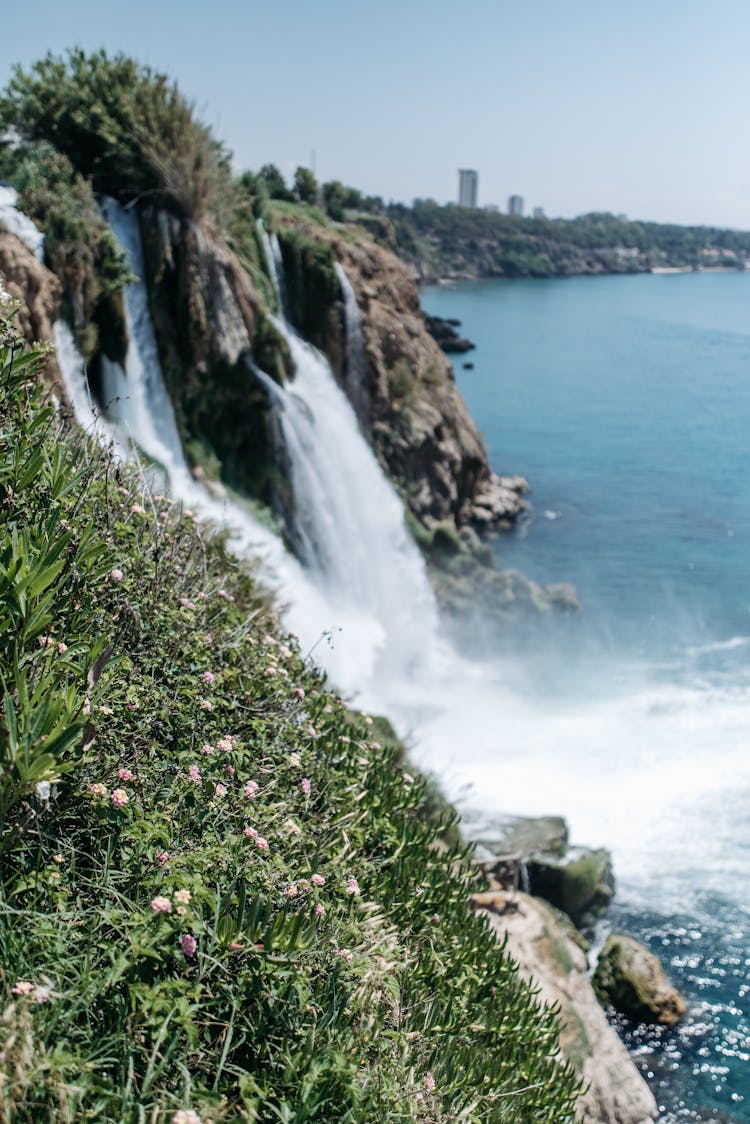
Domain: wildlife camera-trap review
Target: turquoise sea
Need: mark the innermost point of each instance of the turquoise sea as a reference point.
(625, 401)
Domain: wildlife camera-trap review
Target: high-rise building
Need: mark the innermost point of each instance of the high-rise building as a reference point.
(468, 186)
(538, 213)
(515, 205)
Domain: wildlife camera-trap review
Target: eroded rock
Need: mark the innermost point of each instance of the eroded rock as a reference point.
(632, 979)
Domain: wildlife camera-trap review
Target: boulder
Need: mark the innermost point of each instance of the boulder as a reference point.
(632, 979)
(523, 836)
(582, 883)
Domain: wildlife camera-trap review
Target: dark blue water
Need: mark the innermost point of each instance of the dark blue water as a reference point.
(626, 403)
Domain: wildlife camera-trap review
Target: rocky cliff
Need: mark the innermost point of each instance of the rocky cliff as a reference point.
(405, 395)
(548, 952)
(38, 293)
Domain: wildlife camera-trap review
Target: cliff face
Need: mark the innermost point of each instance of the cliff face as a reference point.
(208, 317)
(547, 953)
(39, 293)
(405, 395)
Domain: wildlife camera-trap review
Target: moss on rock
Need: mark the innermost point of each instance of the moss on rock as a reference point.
(632, 979)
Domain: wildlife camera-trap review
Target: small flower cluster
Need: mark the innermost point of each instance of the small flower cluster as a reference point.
(35, 992)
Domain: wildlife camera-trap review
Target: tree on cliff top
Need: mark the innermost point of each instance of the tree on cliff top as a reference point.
(124, 126)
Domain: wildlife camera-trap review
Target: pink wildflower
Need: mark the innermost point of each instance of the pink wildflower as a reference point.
(344, 739)
(23, 987)
(311, 732)
(250, 832)
(352, 886)
(189, 944)
(195, 774)
(291, 891)
(376, 745)
(119, 797)
(180, 911)
(226, 596)
(292, 827)
(318, 880)
(98, 790)
(225, 744)
(435, 919)
(220, 790)
(161, 905)
(306, 786)
(272, 670)
(261, 843)
(186, 1116)
(206, 704)
(207, 749)
(299, 692)
(429, 1083)
(208, 678)
(62, 648)
(251, 789)
(186, 603)
(116, 575)
(41, 994)
(229, 770)
(319, 910)
(125, 774)
(46, 641)
(162, 858)
(138, 509)
(183, 897)
(208, 638)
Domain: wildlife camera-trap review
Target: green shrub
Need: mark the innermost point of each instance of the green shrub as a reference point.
(125, 127)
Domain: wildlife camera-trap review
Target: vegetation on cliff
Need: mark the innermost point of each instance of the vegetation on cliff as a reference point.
(219, 894)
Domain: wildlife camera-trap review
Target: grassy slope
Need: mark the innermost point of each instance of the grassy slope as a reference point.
(293, 999)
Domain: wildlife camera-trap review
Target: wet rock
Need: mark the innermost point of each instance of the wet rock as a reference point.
(632, 979)
(523, 836)
(582, 883)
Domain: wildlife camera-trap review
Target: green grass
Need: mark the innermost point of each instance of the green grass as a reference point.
(173, 937)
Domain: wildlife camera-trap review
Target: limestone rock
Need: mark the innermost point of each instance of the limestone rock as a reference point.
(408, 403)
(632, 979)
(547, 953)
(39, 292)
(581, 884)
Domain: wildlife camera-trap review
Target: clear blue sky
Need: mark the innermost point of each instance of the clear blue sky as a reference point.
(639, 106)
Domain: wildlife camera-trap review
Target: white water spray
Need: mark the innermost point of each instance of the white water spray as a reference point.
(18, 223)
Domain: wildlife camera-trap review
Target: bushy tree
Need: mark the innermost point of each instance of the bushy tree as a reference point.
(124, 126)
(275, 182)
(305, 185)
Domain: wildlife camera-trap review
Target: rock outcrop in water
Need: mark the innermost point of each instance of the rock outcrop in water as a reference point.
(631, 978)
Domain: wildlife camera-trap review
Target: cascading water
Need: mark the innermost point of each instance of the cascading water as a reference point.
(355, 347)
(18, 223)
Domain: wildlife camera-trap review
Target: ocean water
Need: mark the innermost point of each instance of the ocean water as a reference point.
(626, 403)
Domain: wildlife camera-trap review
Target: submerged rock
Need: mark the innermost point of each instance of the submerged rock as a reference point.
(632, 979)
(545, 946)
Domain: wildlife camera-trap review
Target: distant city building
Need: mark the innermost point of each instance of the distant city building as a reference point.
(538, 213)
(515, 205)
(468, 187)
(493, 207)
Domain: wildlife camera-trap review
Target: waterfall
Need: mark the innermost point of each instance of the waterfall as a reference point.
(18, 223)
(73, 369)
(355, 348)
(135, 397)
(272, 251)
(349, 524)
